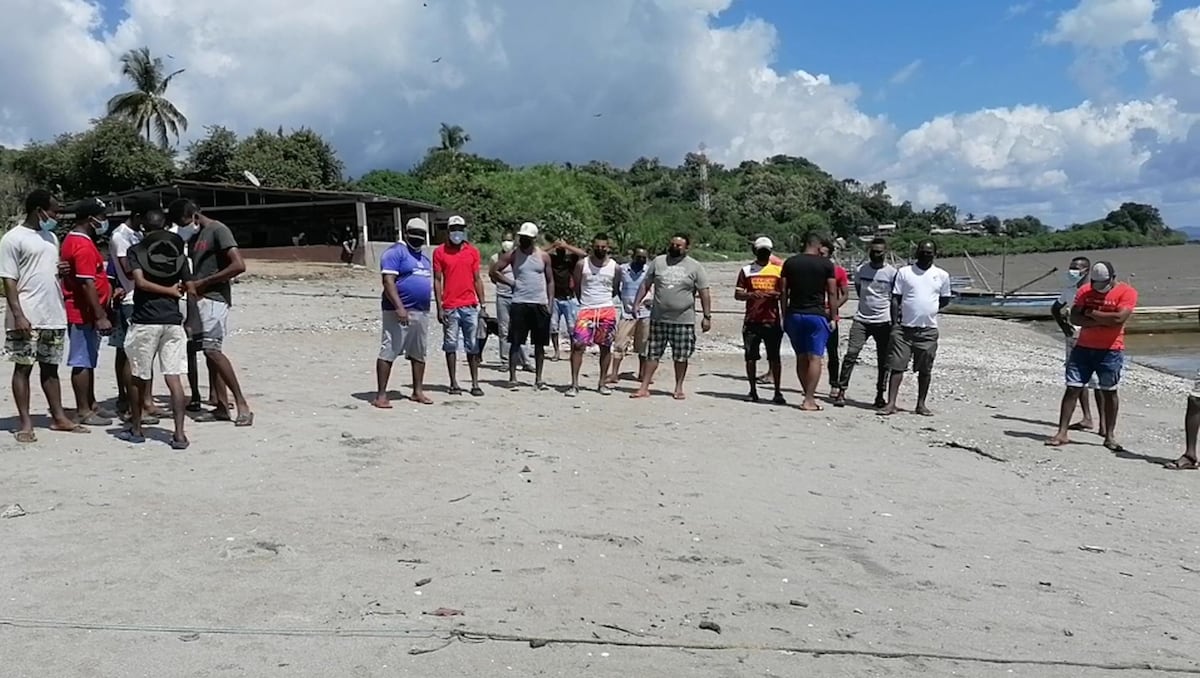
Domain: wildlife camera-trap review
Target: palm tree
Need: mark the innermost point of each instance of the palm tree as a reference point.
(453, 138)
(146, 106)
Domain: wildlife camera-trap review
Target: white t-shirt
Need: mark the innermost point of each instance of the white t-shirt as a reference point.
(31, 259)
(122, 238)
(1067, 299)
(920, 293)
(874, 293)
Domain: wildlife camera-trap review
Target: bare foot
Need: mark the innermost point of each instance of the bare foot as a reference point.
(923, 411)
(680, 395)
(1113, 445)
(1058, 441)
(888, 410)
(640, 393)
(810, 406)
(420, 398)
(382, 403)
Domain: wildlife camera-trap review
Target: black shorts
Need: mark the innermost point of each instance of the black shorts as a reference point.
(529, 323)
(755, 335)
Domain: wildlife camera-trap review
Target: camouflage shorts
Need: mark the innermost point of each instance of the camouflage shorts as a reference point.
(38, 346)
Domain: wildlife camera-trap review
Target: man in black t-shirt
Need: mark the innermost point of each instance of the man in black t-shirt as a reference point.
(809, 283)
(563, 258)
(158, 265)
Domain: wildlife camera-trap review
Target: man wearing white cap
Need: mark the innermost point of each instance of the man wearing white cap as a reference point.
(407, 290)
(532, 283)
(1100, 311)
(504, 303)
(458, 289)
(760, 285)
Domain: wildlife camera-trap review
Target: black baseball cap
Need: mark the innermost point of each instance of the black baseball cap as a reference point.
(88, 208)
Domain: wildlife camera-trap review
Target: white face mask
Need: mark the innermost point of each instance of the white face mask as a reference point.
(458, 237)
(506, 246)
(186, 232)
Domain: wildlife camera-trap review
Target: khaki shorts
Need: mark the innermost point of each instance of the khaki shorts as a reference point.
(44, 347)
(214, 321)
(410, 341)
(632, 332)
(144, 344)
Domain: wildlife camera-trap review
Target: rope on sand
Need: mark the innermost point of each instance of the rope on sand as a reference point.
(450, 635)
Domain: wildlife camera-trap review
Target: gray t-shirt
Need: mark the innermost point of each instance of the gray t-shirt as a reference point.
(210, 254)
(874, 287)
(675, 288)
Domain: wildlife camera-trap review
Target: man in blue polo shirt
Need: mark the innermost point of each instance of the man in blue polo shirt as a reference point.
(407, 289)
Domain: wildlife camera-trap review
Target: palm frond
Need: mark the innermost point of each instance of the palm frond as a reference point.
(162, 88)
(160, 131)
(177, 119)
(125, 104)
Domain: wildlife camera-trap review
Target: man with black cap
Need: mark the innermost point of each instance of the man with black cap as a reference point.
(1100, 311)
(160, 272)
(86, 295)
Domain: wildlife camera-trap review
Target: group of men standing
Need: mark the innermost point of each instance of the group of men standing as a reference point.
(61, 301)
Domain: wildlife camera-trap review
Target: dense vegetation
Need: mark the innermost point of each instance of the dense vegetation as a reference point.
(781, 196)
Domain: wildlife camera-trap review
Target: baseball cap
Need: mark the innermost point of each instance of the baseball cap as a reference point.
(416, 224)
(528, 230)
(764, 243)
(456, 221)
(1103, 276)
(91, 207)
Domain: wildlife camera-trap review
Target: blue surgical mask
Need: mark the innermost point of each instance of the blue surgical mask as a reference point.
(458, 237)
(186, 232)
(100, 226)
(1074, 275)
(48, 224)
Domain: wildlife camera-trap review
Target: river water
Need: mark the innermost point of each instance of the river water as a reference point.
(1176, 353)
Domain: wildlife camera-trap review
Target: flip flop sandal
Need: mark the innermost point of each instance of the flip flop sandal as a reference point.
(131, 437)
(208, 417)
(1182, 465)
(95, 420)
(455, 391)
(477, 392)
(25, 437)
(195, 406)
(77, 428)
(179, 444)
(244, 420)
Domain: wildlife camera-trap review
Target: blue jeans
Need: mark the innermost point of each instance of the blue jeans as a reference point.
(83, 346)
(463, 320)
(565, 311)
(808, 332)
(1105, 365)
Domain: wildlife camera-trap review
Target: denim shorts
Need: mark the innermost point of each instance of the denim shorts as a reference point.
(1103, 364)
(808, 332)
(464, 321)
(83, 346)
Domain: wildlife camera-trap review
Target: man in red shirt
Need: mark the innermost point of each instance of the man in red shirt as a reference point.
(842, 278)
(458, 289)
(86, 293)
(760, 285)
(1101, 308)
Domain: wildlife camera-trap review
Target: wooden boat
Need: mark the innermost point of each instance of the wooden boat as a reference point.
(1027, 306)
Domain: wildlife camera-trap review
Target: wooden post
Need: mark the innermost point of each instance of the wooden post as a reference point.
(398, 218)
(364, 241)
(428, 219)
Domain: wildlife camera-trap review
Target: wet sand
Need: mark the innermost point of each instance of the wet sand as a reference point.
(295, 548)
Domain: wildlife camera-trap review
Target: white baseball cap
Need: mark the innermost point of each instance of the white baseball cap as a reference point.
(416, 224)
(764, 243)
(528, 230)
(456, 221)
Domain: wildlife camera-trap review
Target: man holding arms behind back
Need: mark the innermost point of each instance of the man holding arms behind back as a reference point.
(920, 292)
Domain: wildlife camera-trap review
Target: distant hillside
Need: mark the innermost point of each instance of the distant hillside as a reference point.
(1192, 232)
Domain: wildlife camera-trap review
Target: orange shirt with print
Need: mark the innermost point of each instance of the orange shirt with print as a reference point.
(1104, 337)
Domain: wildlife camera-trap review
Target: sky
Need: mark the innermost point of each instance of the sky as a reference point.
(1058, 108)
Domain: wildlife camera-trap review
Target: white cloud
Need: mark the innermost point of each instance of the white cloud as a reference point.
(906, 73)
(1105, 23)
(525, 78)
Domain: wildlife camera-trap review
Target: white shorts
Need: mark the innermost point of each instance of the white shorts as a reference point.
(410, 341)
(1092, 383)
(167, 343)
(214, 322)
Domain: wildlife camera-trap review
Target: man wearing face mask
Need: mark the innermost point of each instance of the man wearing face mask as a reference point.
(407, 275)
(921, 290)
(873, 320)
(36, 322)
(86, 294)
(1101, 308)
(564, 258)
(122, 239)
(760, 286)
(504, 303)
(532, 283)
(677, 280)
(458, 289)
(634, 326)
(1077, 275)
(597, 280)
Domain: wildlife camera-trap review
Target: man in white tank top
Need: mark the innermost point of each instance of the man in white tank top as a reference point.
(597, 281)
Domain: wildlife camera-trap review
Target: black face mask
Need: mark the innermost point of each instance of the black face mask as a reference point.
(763, 254)
(925, 259)
(675, 251)
(416, 241)
(876, 257)
(525, 242)
(600, 254)
(638, 264)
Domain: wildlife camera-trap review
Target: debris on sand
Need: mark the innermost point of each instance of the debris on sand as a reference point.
(446, 612)
(1093, 549)
(797, 603)
(954, 444)
(12, 511)
(711, 626)
(422, 582)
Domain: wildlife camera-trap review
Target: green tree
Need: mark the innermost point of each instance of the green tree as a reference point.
(301, 159)
(146, 105)
(213, 157)
(397, 185)
(451, 138)
(110, 157)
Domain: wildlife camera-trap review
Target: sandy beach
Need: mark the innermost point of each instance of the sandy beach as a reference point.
(604, 530)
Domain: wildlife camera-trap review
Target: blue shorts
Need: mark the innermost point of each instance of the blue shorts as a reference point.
(564, 313)
(120, 326)
(1105, 365)
(463, 320)
(83, 346)
(808, 332)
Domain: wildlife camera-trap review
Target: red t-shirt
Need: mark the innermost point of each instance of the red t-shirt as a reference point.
(458, 266)
(755, 278)
(82, 255)
(1105, 337)
(842, 278)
